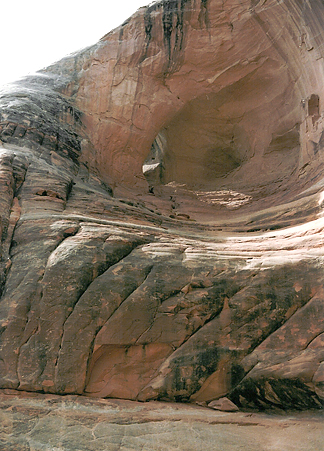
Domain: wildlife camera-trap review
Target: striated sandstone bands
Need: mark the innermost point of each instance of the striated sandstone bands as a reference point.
(201, 277)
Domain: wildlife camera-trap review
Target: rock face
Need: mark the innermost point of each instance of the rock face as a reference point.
(161, 210)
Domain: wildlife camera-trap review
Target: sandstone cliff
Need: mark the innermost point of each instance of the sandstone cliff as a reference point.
(161, 210)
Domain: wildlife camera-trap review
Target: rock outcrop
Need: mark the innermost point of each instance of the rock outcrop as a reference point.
(162, 210)
(31, 421)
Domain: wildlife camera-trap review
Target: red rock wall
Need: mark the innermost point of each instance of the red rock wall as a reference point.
(207, 281)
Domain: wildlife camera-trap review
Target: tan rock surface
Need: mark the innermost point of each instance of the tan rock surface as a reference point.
(34, 422)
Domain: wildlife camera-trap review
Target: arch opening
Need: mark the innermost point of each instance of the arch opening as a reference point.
(199, 147)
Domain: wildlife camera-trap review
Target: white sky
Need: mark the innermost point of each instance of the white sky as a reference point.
(36, 33)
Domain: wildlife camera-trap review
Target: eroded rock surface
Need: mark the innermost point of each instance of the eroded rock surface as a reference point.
(203, 278)
(35, 422)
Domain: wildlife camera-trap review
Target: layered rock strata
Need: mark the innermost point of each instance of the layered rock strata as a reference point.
(161, 210)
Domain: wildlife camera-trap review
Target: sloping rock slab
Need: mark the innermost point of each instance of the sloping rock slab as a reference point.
(35, 422)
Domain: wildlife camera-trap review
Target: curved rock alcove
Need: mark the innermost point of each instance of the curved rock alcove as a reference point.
(161, 210)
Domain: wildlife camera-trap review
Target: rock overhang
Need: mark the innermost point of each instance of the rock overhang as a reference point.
(231, 96)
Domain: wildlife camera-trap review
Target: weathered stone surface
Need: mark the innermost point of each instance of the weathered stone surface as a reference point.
(203, 278)
(35, 422)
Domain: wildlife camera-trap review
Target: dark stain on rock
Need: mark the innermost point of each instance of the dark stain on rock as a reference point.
(190, 369)
(203, 15)
(173, 30)
(266, 393)
(148, 25)
(237, 374)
